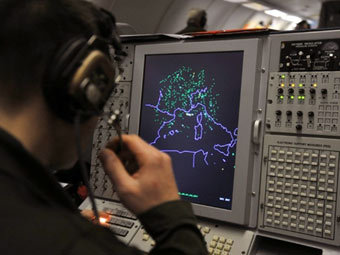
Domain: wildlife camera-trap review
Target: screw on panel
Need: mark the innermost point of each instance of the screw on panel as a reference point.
(259, 110)
(263, 70)
(253, 193)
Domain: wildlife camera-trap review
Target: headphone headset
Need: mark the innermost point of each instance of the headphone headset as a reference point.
(82, 75)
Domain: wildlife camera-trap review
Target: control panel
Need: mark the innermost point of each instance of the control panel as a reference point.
(119, 100)
(300, 187)
(304, 103)
(312, 55)
(220, 238)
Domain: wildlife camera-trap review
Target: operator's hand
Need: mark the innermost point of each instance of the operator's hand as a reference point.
(152, 184)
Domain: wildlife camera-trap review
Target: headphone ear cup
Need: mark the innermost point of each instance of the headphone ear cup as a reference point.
(55, 84)
(80, 80)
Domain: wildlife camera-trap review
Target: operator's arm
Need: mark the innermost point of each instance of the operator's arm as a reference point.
(151, 193)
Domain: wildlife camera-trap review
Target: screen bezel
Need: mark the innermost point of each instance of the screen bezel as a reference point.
(239, 213)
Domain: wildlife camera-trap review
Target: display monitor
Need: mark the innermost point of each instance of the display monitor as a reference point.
(194, 101)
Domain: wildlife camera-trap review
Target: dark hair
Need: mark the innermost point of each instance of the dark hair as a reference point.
(31, 31)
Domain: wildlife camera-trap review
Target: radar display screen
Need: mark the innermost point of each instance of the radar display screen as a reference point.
(190, 109)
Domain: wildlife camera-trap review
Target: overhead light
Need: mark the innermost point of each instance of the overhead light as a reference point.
(276, 13)
(292, 18)
(256, 6)
(283, 15)
(236, 1)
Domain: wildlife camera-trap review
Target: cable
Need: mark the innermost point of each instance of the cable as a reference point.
(83, 167)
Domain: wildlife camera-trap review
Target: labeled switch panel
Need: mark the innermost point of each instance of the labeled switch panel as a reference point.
(300, 186)
(304, 103)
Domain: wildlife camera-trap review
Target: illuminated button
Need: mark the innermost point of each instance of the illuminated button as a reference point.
(303, 210)
(215, 238)
(225, 253)
(330, 190)
(269, 204)
(313, 171)
(322, 164)
(285, 223)
(289, 153)
(311, 211)
(279, 183)
(319, 213)
(302, 218)
(328, 223)
(320, 205)
(293, 225)
(312, 187)
(322, 180)
(280, 174)
(332, 157)
(328, 215)
(330, 181)
(332, 165)
(230, 241)
(206, 230)
(327, 232)
(227, 248)
(322, 171)
(293, 217)
(314, 163)
(322, 188)
(305, 163)
(323, 156)
(331, 173)
(222, 239)
(146, 237)
(298, 154)
(276, 222)
(321, 196)
(219, 246)
(274, 151)
(331, 198)
(319, 222)
(301, 226)
(288, 184)
(285, 215)
(217, 252)
(279, 191)
(313, 179)
(210, 250)
(294, 201)
(213, 244)
(269, 213)
(310, 220)
(271, 182)
(303, 202)
(318, 230)
(310, 228)
(277, 214)
(311, 195)
(329, 207)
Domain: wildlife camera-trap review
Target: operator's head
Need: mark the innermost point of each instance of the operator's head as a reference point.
(32, 31)
(197, 17)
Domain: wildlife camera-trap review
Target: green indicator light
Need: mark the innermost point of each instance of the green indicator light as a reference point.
(234, 166)
(281, 97)
(233, 154)
(300, 85)
(299, 97)
(283, 76)
(291, 97)
(303, 97)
